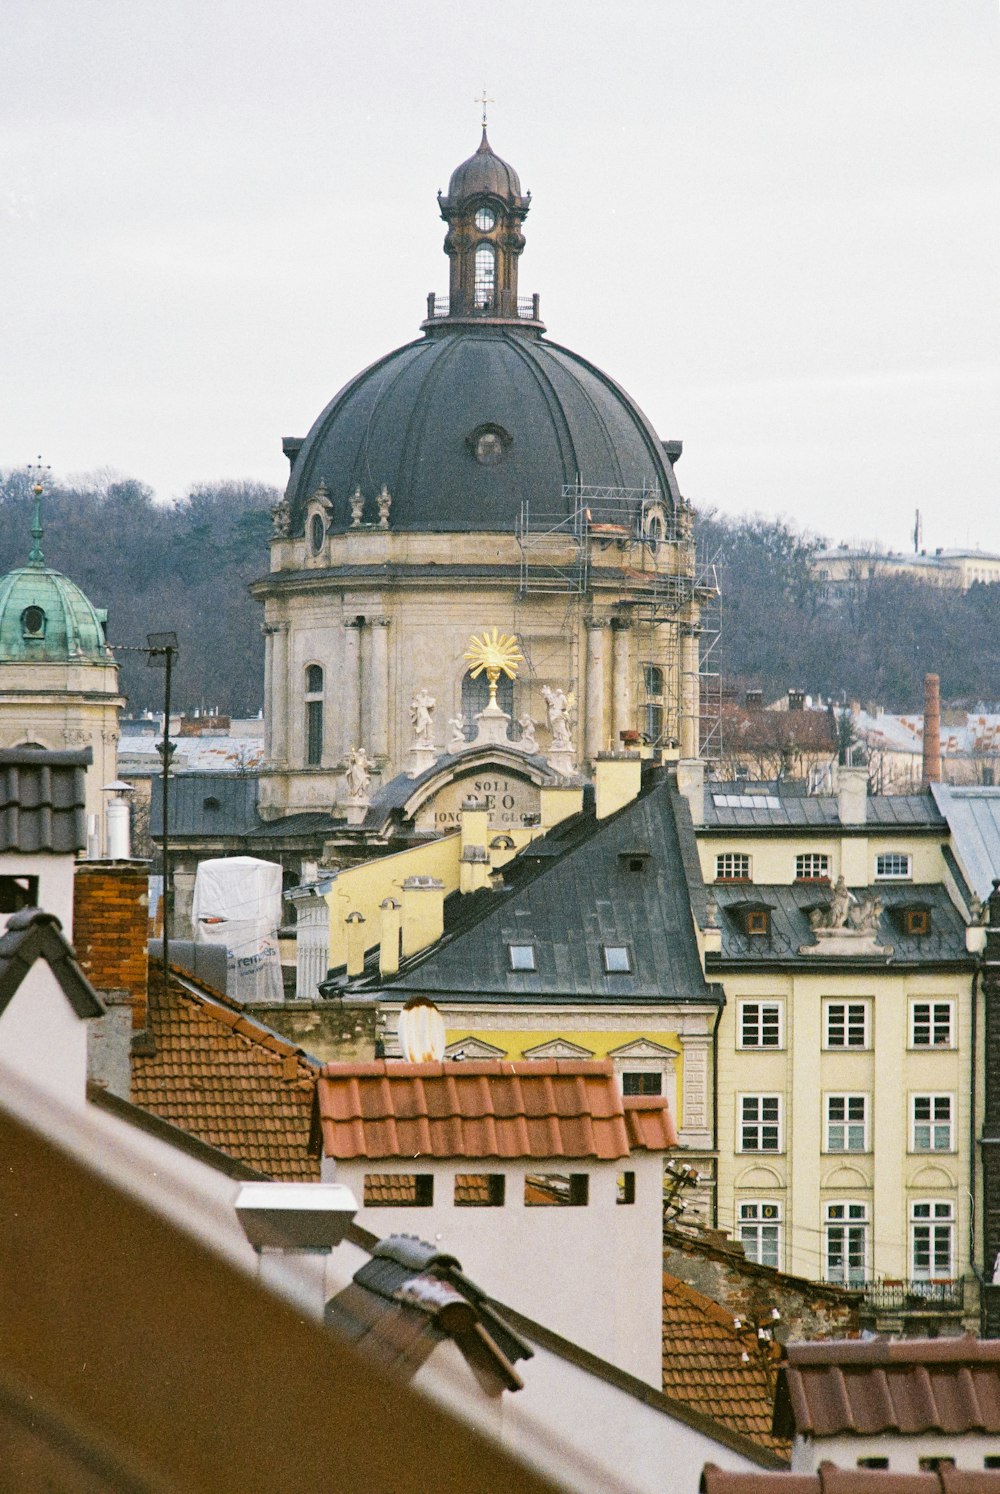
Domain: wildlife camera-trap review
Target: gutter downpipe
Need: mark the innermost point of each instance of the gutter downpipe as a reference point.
(715, 1109)
(973, 1141)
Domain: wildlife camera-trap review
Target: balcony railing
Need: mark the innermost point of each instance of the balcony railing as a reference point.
(914, 1296)
(525, 308)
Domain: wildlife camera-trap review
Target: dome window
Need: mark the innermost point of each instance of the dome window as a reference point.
(486, 219)
(488, 444)
(317, 533)
(33, 622)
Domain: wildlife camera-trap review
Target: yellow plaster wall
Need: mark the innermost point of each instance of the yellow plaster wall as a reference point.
(362, 889)
(803, 1177)
(772, 859)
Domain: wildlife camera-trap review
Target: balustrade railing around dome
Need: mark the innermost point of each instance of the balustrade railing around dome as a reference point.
(504, 304)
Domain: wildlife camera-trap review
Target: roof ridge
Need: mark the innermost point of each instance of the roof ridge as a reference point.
(707, 1305)
(224, 1010)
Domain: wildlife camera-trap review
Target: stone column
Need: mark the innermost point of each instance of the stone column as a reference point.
(350, 689)
(695, 1125)
(621, 680)
(312, 945)
(279, 693)
(594, 742)
(688, 732)
(378, 689)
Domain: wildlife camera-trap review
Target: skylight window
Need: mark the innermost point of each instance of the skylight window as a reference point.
(746, 801)
(521, 956)
(617, 960)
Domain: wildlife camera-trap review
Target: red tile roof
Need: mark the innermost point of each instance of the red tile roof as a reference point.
(832, 1480)
(945, 1385)
(485, 1109)
(704, 1368)
(226, 1079)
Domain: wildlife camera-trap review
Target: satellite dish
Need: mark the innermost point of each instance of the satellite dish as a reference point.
(421, 1031)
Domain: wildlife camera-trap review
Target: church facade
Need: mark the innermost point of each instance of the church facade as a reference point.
(478, 480)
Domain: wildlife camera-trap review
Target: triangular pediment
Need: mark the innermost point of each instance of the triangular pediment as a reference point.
(473, 1048)
(643, 1048)
(558, 1048)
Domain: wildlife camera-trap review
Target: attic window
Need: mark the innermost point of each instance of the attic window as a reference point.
(758, 921)
(634, 860)
(617, 959)
(33, 622)
(521, 956)
(211, 802)
(917, 921)
(17, 893)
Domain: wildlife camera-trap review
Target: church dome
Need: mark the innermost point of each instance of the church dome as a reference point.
(466, 424)
(45, 618)
(483, 174)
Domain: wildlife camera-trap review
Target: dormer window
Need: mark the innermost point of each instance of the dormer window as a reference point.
(917, 921)
(752, 919)
(317, 533)
(812, 867)
(893, 866)
(32, 622)
(758, 921)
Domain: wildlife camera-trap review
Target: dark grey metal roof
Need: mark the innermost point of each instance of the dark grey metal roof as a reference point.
(208, 804)
(790, 905)
(484, 172)
(772, 807)
(42, 800)
(406, 422)
(569, 906)
(33, 935)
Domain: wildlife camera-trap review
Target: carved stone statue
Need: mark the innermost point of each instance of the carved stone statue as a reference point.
(357, 508)
(457, 740)
(976, 910)
(685, 519)
(528, 740)
(558, 706)
(384, 502)
(281, 519)
(357, 776)
(422, 715)
(864, 916)
(834, 915)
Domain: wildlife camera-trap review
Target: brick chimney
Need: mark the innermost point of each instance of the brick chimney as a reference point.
(110, 935)
(932, 730)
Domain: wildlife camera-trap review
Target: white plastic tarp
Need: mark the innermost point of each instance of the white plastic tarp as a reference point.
(237, 903)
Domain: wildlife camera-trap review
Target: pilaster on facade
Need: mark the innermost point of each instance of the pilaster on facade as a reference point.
(376, 695)
(596, 665)
(696, 1121)
(350, 689)
(621, 678)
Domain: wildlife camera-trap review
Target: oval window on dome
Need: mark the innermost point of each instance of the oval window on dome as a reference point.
(317, 533)
(485, 219)
(33, 622)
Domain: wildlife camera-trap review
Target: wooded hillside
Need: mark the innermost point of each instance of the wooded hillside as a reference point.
(186, 567)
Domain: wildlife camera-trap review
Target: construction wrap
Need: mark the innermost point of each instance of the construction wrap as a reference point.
(237, 903)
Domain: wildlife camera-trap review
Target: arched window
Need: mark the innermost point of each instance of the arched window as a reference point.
(485, 276)
(317, 533)
(476, 697)
(314, 715)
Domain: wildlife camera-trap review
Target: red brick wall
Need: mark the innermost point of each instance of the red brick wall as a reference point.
(111, 928)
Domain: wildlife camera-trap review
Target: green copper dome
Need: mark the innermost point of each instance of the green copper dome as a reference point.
(44, 616)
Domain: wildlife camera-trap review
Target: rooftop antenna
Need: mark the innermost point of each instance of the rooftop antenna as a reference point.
(918, 534)
(482, 99)
(39, 468)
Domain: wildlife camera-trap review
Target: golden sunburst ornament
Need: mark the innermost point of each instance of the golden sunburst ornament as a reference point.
(495, 653)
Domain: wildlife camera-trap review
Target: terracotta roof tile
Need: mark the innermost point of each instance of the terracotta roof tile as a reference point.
(703, 1366)
(946, 1385)
(226, 1079)
(485, 1109)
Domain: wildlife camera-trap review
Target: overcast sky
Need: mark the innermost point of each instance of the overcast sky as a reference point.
(773, 221)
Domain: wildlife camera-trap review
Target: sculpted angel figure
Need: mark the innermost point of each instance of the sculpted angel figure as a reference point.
(834, 915)
(357, 776)
(528, 738)
(457, 738)
(422, 715)
(558, 706)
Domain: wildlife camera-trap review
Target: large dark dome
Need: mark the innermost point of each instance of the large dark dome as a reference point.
(415, 422)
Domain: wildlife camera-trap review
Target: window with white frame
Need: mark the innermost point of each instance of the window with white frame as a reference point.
(760, 1024)
(932, 1240)
(932, 1123)
(846, 1243)
(732, 866)
(931, 1024)
(760, 1123)
(846, 1123)
(760, 1232)
(812, 866)
(846, 1024)
(893, 866)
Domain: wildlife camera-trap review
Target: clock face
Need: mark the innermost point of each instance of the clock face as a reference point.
(485, 219)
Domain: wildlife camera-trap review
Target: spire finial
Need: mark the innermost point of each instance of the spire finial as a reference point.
(482, 99)
(39, 468)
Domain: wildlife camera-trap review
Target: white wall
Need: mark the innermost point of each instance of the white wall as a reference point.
(593, 1274)
(903, 1453)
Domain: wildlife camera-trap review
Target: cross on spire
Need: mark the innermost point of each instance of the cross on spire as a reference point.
(39, 469)
(482, 99)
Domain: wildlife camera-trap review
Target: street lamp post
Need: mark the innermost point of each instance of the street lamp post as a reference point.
(161, 651)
